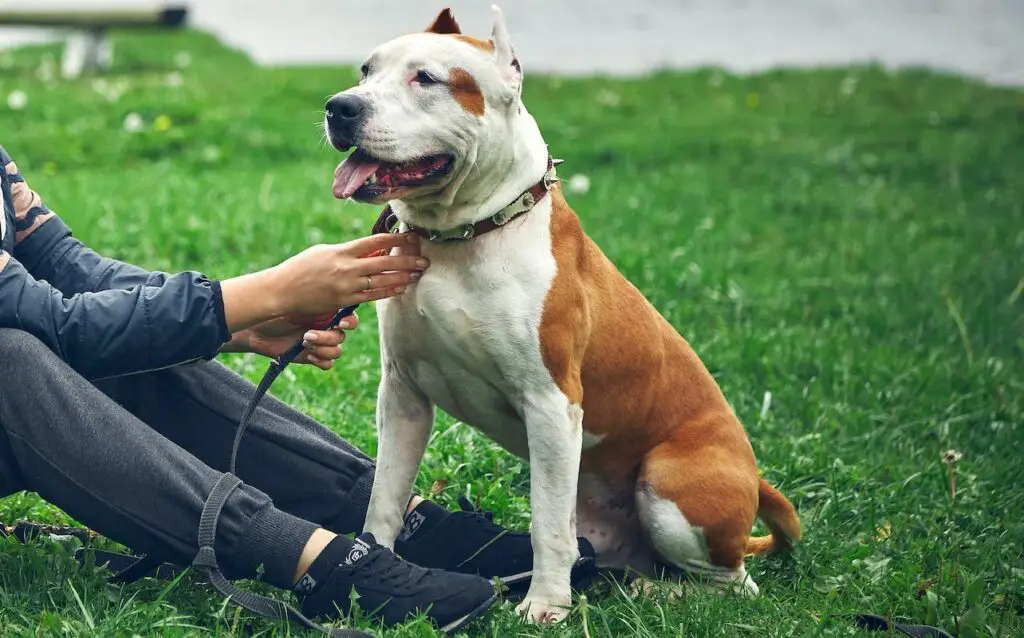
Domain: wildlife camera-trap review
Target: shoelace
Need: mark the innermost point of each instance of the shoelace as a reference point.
(386, 567)
(484, 519)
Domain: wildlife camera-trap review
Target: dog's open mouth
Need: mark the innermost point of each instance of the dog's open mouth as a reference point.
(364, 178)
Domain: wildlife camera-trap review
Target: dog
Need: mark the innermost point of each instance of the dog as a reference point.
(523, 328)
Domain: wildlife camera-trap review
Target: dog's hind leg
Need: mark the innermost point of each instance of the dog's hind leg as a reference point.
(697, 507)
(404, 420)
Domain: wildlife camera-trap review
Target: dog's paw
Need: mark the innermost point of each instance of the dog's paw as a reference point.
(544, 612)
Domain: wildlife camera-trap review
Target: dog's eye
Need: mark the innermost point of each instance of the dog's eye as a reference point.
(364, 70)
(424, 78)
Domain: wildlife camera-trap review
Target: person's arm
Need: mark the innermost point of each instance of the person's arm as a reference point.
(47, 249)
(114, 332)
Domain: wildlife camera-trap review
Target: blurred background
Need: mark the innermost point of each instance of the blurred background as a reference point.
(976, 37)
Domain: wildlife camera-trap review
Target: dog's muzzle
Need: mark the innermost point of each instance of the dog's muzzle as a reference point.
(345, 117)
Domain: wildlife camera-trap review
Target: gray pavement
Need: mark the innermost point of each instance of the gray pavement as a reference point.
(980, 38)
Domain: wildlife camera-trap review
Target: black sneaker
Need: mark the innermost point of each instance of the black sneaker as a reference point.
(470, 542)
(389, 588)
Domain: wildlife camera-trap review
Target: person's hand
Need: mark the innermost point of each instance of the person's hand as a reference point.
(273, 338)
(321, 280)
(325, 278)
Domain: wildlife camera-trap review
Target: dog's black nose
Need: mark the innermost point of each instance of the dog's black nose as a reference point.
(342, 108)
(345, 115)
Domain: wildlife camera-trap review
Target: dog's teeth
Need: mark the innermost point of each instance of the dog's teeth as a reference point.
(372, 179)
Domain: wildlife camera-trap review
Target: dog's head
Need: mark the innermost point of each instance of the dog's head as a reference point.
(427, 108)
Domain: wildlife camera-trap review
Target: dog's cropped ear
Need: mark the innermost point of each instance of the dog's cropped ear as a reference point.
(444, 23)
(505, 55)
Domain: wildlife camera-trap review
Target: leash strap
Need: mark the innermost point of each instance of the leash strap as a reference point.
(206, 562)
(276, 368)
(871, 622)
(206, 558)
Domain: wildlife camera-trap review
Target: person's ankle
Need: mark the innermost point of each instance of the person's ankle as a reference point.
(413, 503)
(324, 561)
(315, 546)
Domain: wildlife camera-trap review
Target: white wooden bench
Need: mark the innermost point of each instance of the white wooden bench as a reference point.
(88, 48)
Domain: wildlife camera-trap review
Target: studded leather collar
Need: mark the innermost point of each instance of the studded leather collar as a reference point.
(388, 221)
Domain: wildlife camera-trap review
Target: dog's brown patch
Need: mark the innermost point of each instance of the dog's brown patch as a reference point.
(466, 91)
(565, 322)
(661, 415)
(444, 23)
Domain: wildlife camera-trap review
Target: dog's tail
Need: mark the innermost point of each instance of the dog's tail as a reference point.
(779, 516)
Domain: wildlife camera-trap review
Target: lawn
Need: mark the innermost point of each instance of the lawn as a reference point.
(844, 248)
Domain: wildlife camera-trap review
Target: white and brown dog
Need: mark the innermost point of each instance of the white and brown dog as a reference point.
(521, 327)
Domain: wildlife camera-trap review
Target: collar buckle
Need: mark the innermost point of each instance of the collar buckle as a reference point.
(465, 231)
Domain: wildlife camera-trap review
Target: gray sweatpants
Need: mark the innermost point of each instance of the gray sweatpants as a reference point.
(135, 457)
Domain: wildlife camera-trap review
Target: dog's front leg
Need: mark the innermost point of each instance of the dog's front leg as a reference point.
(404, 420)
(554, 427)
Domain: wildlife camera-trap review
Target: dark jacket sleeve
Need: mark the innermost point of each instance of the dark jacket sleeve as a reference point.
(47, 249)
(52, 253)
(115, 332)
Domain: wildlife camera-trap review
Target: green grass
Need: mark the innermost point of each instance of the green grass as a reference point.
(849, 240)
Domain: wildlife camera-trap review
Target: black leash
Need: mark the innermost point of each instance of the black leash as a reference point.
(871, 622)
(206, 559)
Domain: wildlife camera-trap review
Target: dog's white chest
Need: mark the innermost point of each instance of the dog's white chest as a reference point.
(467, 335)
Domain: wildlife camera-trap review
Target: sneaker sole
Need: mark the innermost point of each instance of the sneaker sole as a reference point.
(471, 616)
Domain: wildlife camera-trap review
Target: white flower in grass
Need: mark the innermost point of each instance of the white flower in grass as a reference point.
(174, 79)
(950, 457)
(609, 98)
(47, 71)
(17, 100)
(182, 59)
(133, 123)
(579, 183)
(211, 153)
(109, 90)
(848, 86)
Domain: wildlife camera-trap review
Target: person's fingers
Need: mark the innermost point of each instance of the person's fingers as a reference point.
(385, 280)
(376, 265)
(350, 322)
(317, 338)
(325, 353)
(322, 363)
(375, 294)
(412, 248)
(311, 358)
(380, 241)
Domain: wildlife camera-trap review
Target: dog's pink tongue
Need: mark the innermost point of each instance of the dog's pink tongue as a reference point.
(351, 174)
